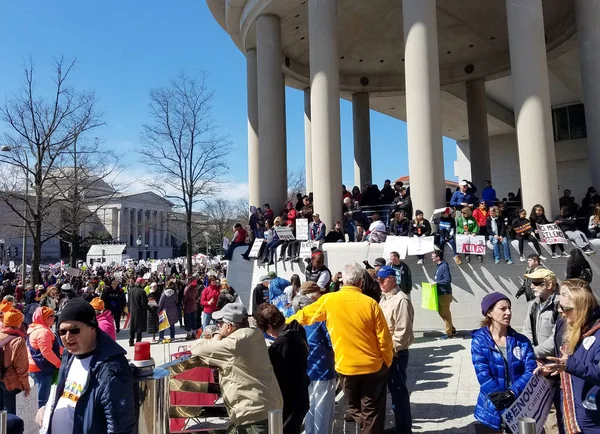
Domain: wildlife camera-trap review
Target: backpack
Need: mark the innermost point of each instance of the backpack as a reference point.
(3, 343)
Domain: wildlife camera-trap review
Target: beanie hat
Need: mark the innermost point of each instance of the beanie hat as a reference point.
(78, 310)
(380, 262)
(97, 303)
(418, 212)
(47, 312)
(13, 318)
(5, 306)
(490, 300)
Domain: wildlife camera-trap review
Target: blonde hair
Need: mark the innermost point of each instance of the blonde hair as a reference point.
(467, 210)
(277, 220)
(584, 303)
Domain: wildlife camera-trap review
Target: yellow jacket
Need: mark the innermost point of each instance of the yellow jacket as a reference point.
(359, 334)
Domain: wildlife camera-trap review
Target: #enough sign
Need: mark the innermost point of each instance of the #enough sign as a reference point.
(534, 403)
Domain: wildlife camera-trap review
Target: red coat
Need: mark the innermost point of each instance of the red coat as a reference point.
(241, 236)
(480, 217)
(290, 217)
(210, 293)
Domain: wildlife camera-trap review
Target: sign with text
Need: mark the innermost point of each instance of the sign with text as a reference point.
(302, 229)
(394, 243)
(73, 271)
(306, 249)
(256, 247)
(534, 402)
(470, 244)
(225, 243)
(284, 233)
(551, 234)
(27, 409)
(420, 245)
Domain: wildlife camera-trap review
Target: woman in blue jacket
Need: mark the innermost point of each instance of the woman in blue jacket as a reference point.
(578, 364)
(503, 360)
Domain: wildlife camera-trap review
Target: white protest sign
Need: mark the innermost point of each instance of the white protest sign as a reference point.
(73, 271)
(534, 402)
(470, 244)
(284, 233)
(225, 243)
(420, 245)
(11, 265)
(306, 249)
(27, 410)
(256, 248)
(394, 243)
(146, 276)
(551, 234)
(302, 229)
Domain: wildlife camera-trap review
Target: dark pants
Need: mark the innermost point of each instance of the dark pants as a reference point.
(399, 392)
(365, 396)
(255, 428)
(15, 425)
(161, 334)
(117, 316)
(44, 382)
(293, 414)
(230, 250)
(190, 321)
(529, 237)
(8, 399)
(134, 333)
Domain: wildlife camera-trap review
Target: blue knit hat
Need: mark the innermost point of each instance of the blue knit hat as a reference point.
(490, 300)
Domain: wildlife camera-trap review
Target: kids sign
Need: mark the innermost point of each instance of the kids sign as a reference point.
(551, 234)
(470, 244)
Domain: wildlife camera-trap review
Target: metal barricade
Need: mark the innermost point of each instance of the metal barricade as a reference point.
(276, 422)
(3, 422)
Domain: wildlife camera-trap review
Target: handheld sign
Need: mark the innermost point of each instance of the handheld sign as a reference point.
(225, 243)
(420, 245)
(306, 249)
(552, 234)
(256, 247)
(470, 244)
(302, 229)
(73, 271)
(394, 243)
(27, 410)
(534, 402)
(284, 233)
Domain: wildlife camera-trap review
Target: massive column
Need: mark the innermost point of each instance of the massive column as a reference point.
(588, 32)
(254, 160)
(272, 177)
(531, 93)
(423, 116)
(325, 109)
(479, 142)
(361, 122)
(308, 142)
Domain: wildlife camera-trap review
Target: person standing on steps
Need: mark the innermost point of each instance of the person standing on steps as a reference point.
(403, 273)
(443, 280)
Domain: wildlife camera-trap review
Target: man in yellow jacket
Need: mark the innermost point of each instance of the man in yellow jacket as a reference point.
(362, 345)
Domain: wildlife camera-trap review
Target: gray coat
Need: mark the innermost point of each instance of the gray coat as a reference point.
(168, 302)
(544, 319)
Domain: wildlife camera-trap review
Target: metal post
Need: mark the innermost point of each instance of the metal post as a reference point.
(526, 426)
(24, 252)
(3, 421)
(276, 422)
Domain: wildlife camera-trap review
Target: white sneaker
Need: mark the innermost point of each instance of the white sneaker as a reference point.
(565, 255)
(420, 262)
(555, 255)
(542, 257)
(522, 258)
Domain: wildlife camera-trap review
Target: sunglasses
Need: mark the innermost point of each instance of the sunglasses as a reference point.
(566, 308)
(73, 331)
(538, 283)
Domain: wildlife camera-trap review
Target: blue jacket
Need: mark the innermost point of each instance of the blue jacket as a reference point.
(491, 369)
(321, 365)
(459, 197)
(443, 279)
(276, 287)
(107, 402)
(489, 195)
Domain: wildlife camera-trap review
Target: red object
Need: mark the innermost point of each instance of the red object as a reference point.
(141, 351)
(189, 398)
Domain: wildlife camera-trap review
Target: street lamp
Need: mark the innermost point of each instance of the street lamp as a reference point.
(6, 148)
(138, 243)
(1, 252)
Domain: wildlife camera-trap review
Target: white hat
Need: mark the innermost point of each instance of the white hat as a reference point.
(461, 183)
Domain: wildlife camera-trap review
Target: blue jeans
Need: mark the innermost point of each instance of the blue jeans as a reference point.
(206, 319)
(190, 321)
(399, 392)
(451, 242)
(44, 382)
(161, 334)
(505, 247)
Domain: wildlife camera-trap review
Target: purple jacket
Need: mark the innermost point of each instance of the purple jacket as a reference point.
(168, 302)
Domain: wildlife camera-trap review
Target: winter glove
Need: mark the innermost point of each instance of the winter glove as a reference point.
(502, 400)
(519, 293)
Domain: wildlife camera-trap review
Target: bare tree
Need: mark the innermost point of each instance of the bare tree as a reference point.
(181, 146)
(38, 148)
(296, 184)
(221, 215)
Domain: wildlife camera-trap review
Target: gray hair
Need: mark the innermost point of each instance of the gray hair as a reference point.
(352, 274)
(300, 302)
(9, 298)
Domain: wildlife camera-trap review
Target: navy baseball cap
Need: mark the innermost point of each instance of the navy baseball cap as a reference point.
(386, 271)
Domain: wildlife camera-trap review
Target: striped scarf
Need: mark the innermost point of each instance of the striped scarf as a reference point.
(570, 418)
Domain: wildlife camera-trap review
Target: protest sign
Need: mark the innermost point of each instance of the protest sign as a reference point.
(302, 229)
(256, 248)
(534, 402)
(284, 233)
(225, 243)
(551, 234)
(73, 271)
(147, 276)
(27, 408)
(11, 265)
(420, 245)
(306, 249)
(429, 296)
(470, 244)
(394, 243)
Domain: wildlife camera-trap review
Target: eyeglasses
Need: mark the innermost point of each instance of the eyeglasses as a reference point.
(566, 308)
(73, 331)
(538, 283)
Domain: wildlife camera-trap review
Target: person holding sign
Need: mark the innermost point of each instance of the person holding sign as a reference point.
(537, 218)
(466, 224)
(503, 360)
(523, 230)
(419, 227)
(443, 280)
(567, 222)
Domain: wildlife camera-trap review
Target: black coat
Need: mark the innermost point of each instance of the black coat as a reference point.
(501, 227)
(138, 308)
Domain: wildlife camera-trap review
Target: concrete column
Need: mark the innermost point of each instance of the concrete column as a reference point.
(423, 116)
(308, 141)
(361, 122)
(531, 93)
(272, 177)
(136, 225)
(479, 142)
(588, 32)
(325, 109)
(168, 231)
(161, 217)
(143, 228)
(254, 160)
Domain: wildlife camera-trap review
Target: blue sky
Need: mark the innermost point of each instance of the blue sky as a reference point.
(124, 48)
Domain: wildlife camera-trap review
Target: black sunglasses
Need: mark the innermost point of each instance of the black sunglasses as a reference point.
(73, 331)
(566, 308)
(538, 283)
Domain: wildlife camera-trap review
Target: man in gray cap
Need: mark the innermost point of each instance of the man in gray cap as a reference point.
(248, 383)
(260, 293)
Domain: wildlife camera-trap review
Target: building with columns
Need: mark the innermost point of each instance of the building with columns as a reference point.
(511, 80)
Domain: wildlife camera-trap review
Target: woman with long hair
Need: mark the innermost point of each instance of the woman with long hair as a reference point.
(538, 217)
(50, 298)
(292, 290)
(594, 223)
(523, 231)
(466, 224)
(578, 361)
(503, 360)
(578, 267)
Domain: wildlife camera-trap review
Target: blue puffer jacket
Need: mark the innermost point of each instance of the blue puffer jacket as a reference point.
(491, 369)
(321, 365)
(276, 287)
(107, 403)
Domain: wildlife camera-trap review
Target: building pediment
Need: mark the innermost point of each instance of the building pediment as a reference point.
(146, 197)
